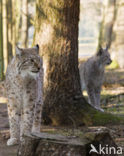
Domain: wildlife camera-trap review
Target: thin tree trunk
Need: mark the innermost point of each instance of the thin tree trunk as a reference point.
(9, 27)
(24, 29)
(106, 30)
(18, 19)
(13, 26)
(5, 34)
(118, 43)
(1, 44)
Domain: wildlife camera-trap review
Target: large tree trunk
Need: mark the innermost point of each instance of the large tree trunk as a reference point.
(57, 35)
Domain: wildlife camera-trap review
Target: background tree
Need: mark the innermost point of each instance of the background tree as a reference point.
(9, 27)
(106, 29)
(24, 24)
(15, 23)
(112, 28)
(118, 30)
(1, 43)
(5, 35)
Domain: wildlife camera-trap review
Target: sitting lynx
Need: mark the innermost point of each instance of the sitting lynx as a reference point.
(24, 85)
(92, 75)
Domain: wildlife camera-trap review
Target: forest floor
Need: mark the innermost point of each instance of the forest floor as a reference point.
(112, 100)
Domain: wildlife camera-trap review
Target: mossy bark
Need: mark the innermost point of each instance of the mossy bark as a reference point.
(57, 35)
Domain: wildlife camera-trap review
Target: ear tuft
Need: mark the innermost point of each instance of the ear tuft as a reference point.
(37, 46)
(18, 51)
(107, 47)
(100, 51)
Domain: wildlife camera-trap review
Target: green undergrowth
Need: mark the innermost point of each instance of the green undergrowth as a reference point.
(107, 118)
(90, 116)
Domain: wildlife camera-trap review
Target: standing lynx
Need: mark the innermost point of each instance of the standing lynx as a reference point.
(92, 75)
(24, 85)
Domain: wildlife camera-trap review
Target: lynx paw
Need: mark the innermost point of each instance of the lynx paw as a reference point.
(100, 109)
(12, 141)
(22, 139)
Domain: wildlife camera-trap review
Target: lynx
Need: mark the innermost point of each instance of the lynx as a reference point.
(92, 76)
(24, 85)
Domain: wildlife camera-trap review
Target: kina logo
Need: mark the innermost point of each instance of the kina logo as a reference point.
(104, 150)
(93, 149)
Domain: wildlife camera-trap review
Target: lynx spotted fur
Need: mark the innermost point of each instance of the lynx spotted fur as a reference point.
(24, 85)
(92, 76)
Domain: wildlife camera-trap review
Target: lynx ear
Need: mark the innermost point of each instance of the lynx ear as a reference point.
(107, 47)
(18, 51)
(36, 47)
(100, 51)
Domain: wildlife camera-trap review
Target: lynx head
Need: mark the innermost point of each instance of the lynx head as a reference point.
(29, 61)
(104, 56)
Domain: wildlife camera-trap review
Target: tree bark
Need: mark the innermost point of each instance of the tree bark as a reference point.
(57, 35)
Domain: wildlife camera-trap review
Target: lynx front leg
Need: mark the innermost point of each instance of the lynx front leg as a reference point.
(37, 117)
(91, 97)
(97, 96)
(38, 104)
(26, 120)
(14, 121)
